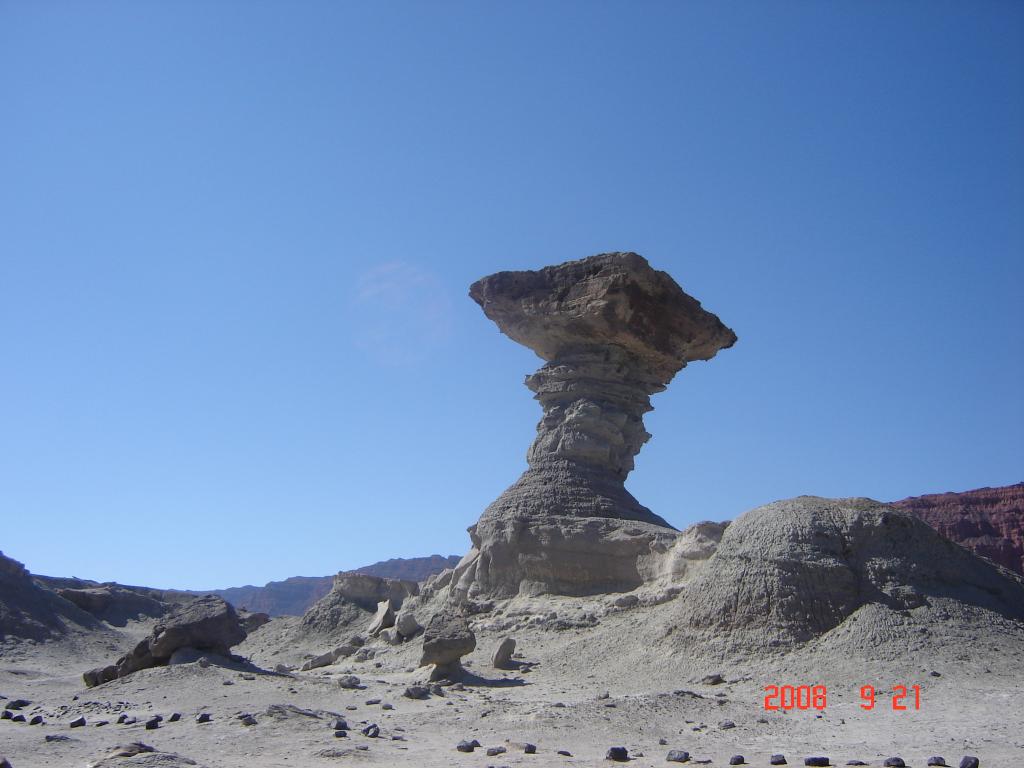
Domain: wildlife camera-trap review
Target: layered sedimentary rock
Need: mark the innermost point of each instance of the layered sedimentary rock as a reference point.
(988, 521)
(613, 331)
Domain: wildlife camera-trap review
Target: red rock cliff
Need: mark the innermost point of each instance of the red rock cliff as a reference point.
(988, 521)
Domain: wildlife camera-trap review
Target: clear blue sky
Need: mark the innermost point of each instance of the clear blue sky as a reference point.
(236, 240)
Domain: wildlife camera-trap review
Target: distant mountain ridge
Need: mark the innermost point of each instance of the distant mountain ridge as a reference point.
(988, 521)
(293, 596)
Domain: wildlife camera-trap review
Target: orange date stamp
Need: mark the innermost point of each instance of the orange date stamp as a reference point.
(804, 697)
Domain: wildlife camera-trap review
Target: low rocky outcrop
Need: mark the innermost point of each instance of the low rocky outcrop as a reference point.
(988, 521)
(613, 331)
(206, 624)
(32, 612)
(354, 599)
(115, 604)
(296, 595)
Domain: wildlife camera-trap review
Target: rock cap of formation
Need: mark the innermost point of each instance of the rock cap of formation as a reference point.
(613, 331)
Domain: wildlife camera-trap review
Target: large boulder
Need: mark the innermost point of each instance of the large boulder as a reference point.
(207, 623)
(446, 639)
(383, 619)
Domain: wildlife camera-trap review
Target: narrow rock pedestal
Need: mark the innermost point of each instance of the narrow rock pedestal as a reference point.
(613, 331)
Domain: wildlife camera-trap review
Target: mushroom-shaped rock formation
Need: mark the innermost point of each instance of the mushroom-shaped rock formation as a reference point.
(613, 331)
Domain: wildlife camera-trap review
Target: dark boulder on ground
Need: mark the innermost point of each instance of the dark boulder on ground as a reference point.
(206, 624)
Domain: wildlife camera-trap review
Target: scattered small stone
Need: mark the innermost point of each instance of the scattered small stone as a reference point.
(817, 761)
(737, 760)
(248, 677)
(713, 679)
(626, 601)
(894, 762)
(494, 751)
(227, 682)
(57, 737)
(175, 717)
(203, 717)
(386, 705)
(101, 723)
(467, 746)
(372, 731)
(677, 756)
(371, 702)
(969, 761)
(937, 760)
(21, 719)
(348, 681)
(726, 725)
(121, 718)
(17, 704)
(530, 749)
(564, 753)
(777, 760)
(855, 762)
(130, 721)
(152, 724)
(933, 673)
(362, 748)
(416, 692)
(618, 754)
(36, 720)
(247, 720)
(351, 707)
(340, 734)
(6, 715)
(339, 724)
(78, 722)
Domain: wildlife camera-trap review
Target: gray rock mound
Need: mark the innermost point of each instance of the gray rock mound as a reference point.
(793, 571)
(205, 624)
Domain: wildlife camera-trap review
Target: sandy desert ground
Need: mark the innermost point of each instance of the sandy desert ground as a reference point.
(586, 689)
